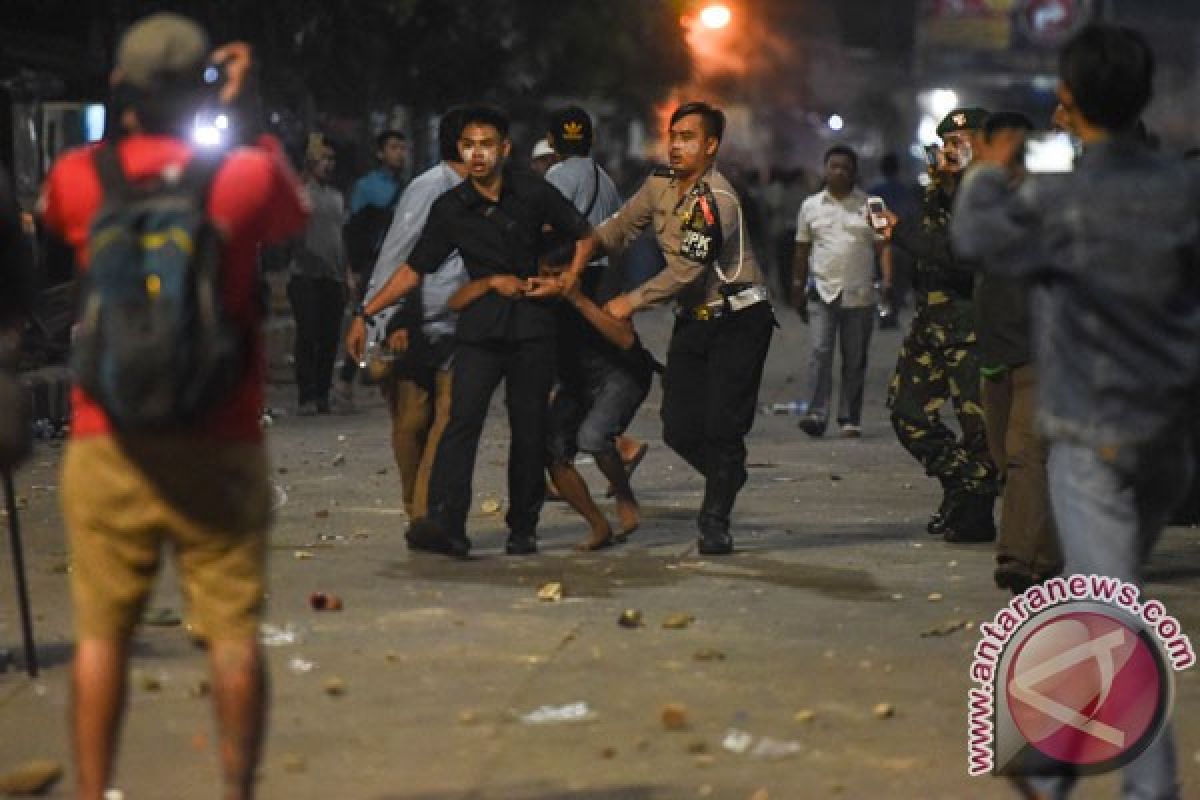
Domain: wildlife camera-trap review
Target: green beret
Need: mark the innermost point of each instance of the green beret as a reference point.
(962, 119)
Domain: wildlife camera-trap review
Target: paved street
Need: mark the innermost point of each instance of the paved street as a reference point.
(820, 611)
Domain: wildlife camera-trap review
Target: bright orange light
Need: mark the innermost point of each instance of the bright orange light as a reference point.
(715, 16)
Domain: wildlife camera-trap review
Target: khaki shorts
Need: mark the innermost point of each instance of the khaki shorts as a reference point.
(123, 498)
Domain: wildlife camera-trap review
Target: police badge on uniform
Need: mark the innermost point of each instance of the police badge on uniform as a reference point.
(701, 240)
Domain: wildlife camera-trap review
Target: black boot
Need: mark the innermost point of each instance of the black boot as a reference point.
(720, 491)
(521, 544)
(970, 519)
(937, 523)
(427, 536)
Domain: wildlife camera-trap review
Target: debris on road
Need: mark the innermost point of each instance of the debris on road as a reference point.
(34, 777)
(946, 629)
(678, 621)
(572, 712)
(277, 636)
(708, 654)
(674, 717)
(804, 715)
(322, 601)
(335, 687)
(338, 460)
(935, 597)
(302, 555)
(884, 710)
(746, 744)
(550, 592)
(630, 618)
(147, 682)
(490, 506)
(300, 666)
(321, 513)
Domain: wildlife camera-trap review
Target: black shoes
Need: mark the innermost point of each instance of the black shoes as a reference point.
(813, 425)
(425, 536)
(521, 544)
(969, 518)
(714, 542)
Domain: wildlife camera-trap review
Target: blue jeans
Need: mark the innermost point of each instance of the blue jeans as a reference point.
(1110, 512)
(828, 323)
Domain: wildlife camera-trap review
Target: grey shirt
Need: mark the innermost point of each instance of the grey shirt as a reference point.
(437, 287)
(322, 253)
(579, 178)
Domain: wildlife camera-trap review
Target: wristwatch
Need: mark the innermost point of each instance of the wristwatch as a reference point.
(360, 310)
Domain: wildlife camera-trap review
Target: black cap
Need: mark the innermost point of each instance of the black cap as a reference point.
(571, 129)
(962, 119)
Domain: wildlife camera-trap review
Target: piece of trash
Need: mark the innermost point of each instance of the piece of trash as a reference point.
(161, 618)
(490, 506)
(760, 794)
(572, 712)
(906, 486)
(338, 460)
(114, 794)
(335, 687)
(708, 654)
(674, 717)
(341, 437)
(550, 592)
(468, 717)
(945, 629)
(884, 710)
(736, 741)
(300, 666)
(804, 715)
(294, 762)
(199, 689)
(381, 471)
(34, 777)
(697, 747)
(835, 477)
(322, 601)
(630, 618)
(897, 596)
(302, 555)
(935, 597)
(277, 636)
(678, 621)
(744, 743)
(321, 513)
(608, 753)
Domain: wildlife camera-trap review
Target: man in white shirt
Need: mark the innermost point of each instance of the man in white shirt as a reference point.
(836, 245)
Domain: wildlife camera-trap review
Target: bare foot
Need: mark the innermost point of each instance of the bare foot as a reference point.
(630, 515)
(600, 538)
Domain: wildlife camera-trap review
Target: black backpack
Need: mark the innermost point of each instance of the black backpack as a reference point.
(153, 345)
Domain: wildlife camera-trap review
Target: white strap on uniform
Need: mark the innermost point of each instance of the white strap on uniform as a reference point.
(741, 239)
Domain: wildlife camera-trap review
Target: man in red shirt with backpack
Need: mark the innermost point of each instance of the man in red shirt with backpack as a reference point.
(199, 481)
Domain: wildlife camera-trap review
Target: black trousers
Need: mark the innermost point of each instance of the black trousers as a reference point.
(710, 394)
(317, 305)
(527, 369)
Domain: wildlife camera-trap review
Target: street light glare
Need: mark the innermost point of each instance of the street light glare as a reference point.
(836, 123)
(715, 16)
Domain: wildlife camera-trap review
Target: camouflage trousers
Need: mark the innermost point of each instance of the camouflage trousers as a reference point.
(938, 363)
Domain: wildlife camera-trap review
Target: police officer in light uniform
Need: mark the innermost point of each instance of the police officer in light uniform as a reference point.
(724, 324)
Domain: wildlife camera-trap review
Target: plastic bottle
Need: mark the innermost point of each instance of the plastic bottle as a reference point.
(794, 408)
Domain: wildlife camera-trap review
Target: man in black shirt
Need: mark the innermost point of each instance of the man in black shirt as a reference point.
(495, 219)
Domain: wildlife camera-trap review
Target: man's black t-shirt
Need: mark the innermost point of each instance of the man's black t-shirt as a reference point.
(502, 238)
(583, 353)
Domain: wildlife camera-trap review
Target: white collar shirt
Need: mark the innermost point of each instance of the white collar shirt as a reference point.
(843, 247)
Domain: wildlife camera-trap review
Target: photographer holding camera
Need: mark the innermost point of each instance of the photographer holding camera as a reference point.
(198, 481)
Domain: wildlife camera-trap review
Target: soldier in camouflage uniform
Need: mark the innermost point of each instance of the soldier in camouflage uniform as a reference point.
(939, 359)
